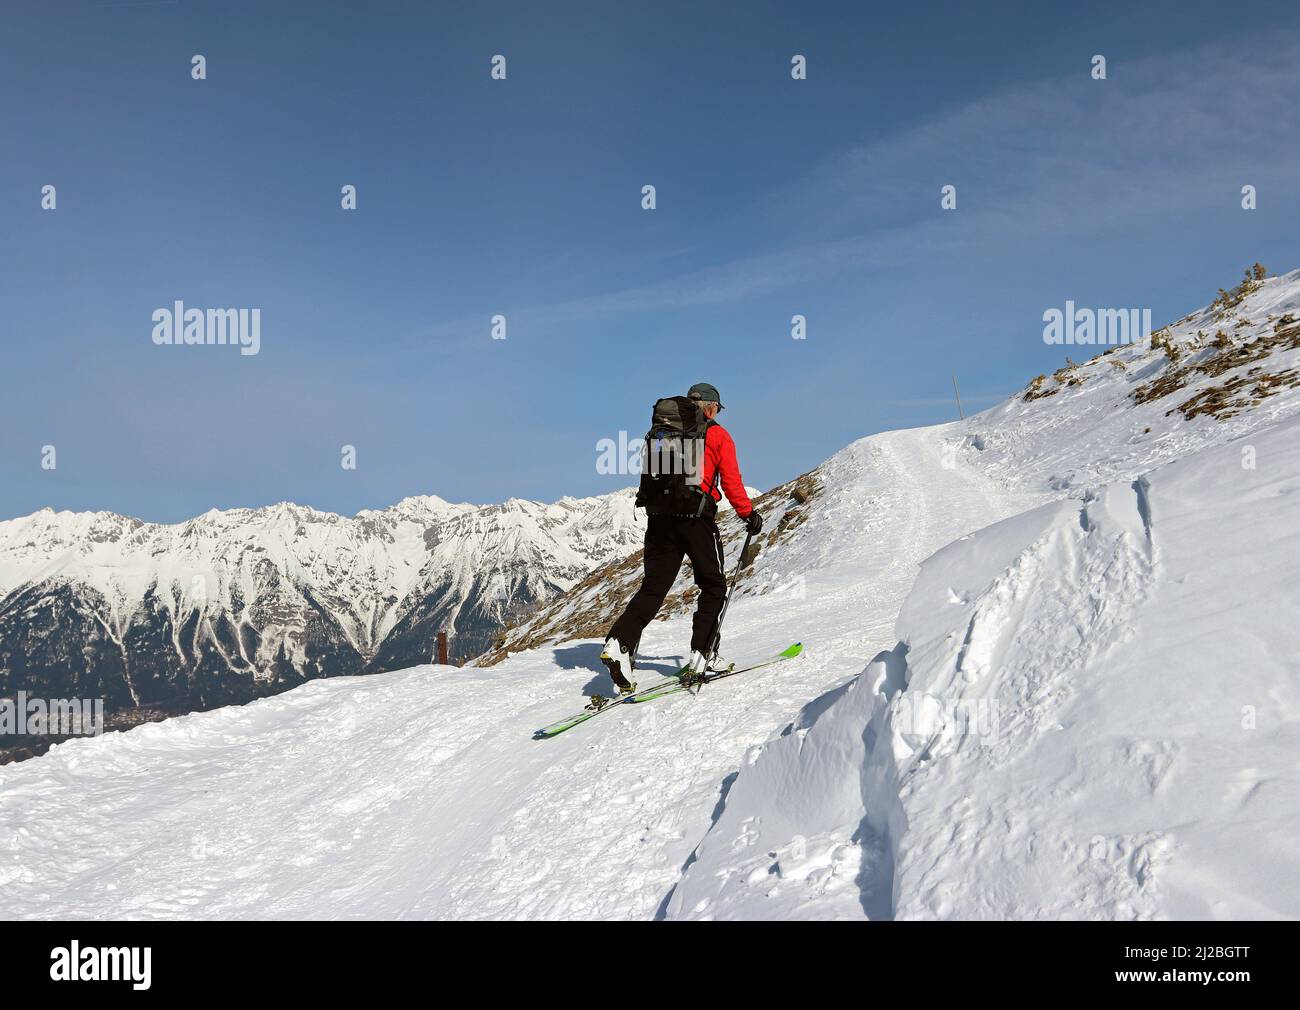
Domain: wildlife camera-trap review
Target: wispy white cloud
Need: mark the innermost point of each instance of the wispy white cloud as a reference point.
(1168, 134)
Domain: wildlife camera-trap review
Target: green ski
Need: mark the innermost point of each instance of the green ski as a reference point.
(667, 686)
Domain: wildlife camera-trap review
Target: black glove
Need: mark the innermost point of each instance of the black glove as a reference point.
(753, 523)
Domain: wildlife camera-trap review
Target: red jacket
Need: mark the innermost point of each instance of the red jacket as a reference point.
(720, 455)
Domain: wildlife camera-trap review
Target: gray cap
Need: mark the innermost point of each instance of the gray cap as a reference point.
(706, 392)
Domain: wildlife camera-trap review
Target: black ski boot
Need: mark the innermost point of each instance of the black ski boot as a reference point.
(618, 661)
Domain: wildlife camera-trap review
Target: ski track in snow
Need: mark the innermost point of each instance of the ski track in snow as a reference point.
(421, 793)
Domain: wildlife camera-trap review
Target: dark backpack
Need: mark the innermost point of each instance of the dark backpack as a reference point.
(673, 459)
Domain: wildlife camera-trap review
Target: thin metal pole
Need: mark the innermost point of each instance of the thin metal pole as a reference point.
(726, 602)
(957, 393)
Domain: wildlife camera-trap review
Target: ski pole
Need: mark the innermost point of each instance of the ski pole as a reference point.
(726, 601)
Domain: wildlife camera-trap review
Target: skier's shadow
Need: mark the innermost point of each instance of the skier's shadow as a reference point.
(587, 657)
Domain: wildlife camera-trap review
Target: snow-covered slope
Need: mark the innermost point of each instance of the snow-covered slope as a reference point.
(1213, 376)
(235, 604)
(1056, 722)
(1092, 708)
(422, 792)
(1093, 711)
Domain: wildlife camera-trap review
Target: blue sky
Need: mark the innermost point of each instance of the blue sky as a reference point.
(522, 197)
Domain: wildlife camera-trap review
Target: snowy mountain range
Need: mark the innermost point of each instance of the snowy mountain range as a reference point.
(233, 605)
(1050, 671)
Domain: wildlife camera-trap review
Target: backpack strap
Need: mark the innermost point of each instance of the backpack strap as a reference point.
(717, 473)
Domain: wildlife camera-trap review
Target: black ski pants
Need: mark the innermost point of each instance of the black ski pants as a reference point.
(667, 540)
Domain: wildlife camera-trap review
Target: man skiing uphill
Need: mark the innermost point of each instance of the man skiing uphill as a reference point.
(690, 456)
